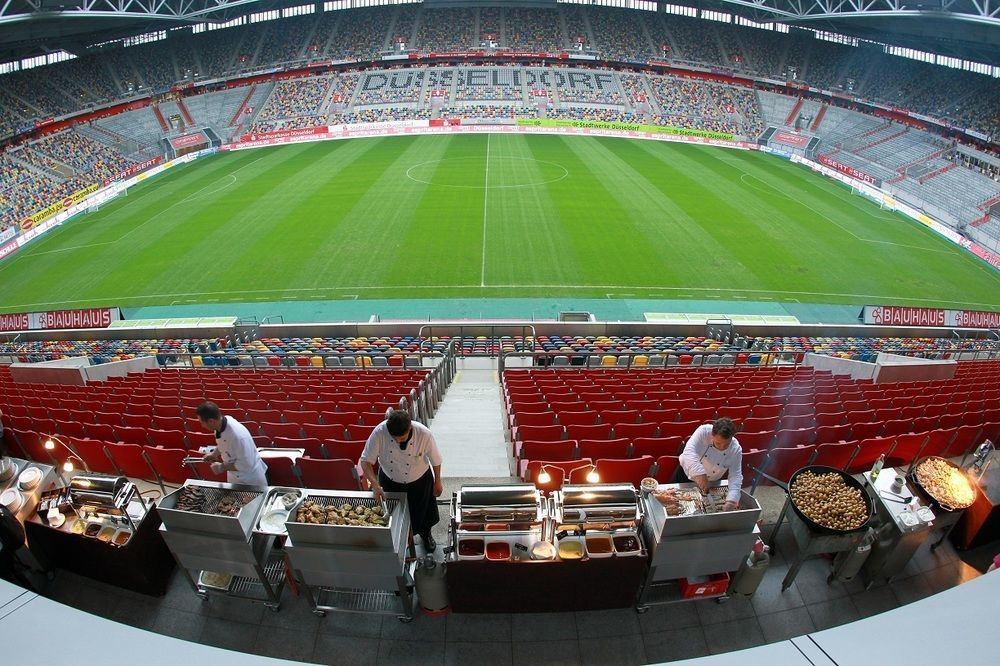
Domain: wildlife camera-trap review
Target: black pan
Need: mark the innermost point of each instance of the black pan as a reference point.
(849, 480)
(926, 494)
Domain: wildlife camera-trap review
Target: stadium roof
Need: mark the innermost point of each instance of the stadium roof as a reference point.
(968, 29)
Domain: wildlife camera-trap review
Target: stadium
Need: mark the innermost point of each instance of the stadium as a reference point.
(563, 235)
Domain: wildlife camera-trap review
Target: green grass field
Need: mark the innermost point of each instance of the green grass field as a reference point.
(491, 216)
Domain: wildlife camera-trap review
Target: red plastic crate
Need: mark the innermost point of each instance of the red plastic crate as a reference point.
(715, 585)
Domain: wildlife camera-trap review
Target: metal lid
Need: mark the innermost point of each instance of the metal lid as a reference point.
(97, 484)
(610, 494)
(515, 495)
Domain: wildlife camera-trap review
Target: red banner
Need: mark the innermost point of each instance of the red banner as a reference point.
(848, 170)
(133, 170)
(796, 140)
(895, 315)
(53, 319)
(284, 134)
(188, 140)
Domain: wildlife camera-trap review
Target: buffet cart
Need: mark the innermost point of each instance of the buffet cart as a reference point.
(100, 527)
(208, 528)
(350, 553)
(512, 550)
(690, 537)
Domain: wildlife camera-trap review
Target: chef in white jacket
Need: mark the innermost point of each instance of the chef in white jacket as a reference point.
(235, 452)
(711, 452)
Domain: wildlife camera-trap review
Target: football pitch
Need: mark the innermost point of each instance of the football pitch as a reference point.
(491, 216)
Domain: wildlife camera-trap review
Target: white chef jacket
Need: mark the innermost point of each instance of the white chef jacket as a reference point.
(235, 443)
(700, 457)
(402, 466)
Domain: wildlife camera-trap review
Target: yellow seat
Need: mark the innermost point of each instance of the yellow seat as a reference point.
(609, 360)
(316, 361)
(197, 362)
(639, 360)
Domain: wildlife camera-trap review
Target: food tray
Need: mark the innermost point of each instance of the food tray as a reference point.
(215, 580)
(391, 537)
(566, 551)
(233, 527)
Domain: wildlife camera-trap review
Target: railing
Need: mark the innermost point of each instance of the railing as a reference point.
(426, 333)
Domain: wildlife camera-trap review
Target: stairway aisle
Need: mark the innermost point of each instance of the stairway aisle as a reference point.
(468, 425)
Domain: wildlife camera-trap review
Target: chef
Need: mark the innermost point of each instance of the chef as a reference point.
(409, 462)
(711, 453)
(235, 452)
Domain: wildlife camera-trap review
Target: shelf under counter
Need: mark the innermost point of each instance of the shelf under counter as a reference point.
(142, 565)
(528, 586)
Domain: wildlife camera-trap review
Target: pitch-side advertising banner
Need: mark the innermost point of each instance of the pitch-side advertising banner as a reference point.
(896, 315)
(52, 319)
(849, 170)
(47, 212)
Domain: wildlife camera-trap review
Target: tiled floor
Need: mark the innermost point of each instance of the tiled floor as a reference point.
(664, 633)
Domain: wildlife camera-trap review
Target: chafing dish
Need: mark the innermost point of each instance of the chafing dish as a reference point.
(590, 506)
(497, 522)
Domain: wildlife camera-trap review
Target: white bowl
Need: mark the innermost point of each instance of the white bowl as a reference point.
(29, 478)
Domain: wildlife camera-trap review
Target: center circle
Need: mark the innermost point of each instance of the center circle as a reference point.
(471, 172)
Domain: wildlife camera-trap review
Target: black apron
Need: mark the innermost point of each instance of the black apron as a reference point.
(420, 499)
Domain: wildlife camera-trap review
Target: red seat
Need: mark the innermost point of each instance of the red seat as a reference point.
(611, 470)
(665, 468)
(71, 428)
(618, 417)
(634, 430)
(868, 430)
(832, 433)
(781, 462)
(702, 414)
(938, 441)
(732, 412)
(752, 459)
(755, 440)
(335, 474)
(762, 424)
(790, 438)
(107, 418)
(372, 418)
(567, 419)
(313, 447)
(170, 423)
(679, 428)
(167, 464)
(168, 439)
(101, 431)
(93, 455)
(596, 431)
(144, 421)
(200, 438)
(657, 446)
(835, 454)
(762, 410)
(281, 472)
(130, 460)
(532, 450)
(605, 448)
(966, 438)
(897, 427)
(324, 431)
(340, 418)
(549, 433)
(358, 431)
(906, 449)
(543, 418)
(131, 435)
(344, 448)
(302, 416)
(281, 429)
(868, 452)
(797, 422)
(658, 415)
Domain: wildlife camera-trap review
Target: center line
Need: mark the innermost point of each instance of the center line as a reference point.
(486, 201)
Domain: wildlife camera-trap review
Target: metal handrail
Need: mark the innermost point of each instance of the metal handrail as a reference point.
(524, 329)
